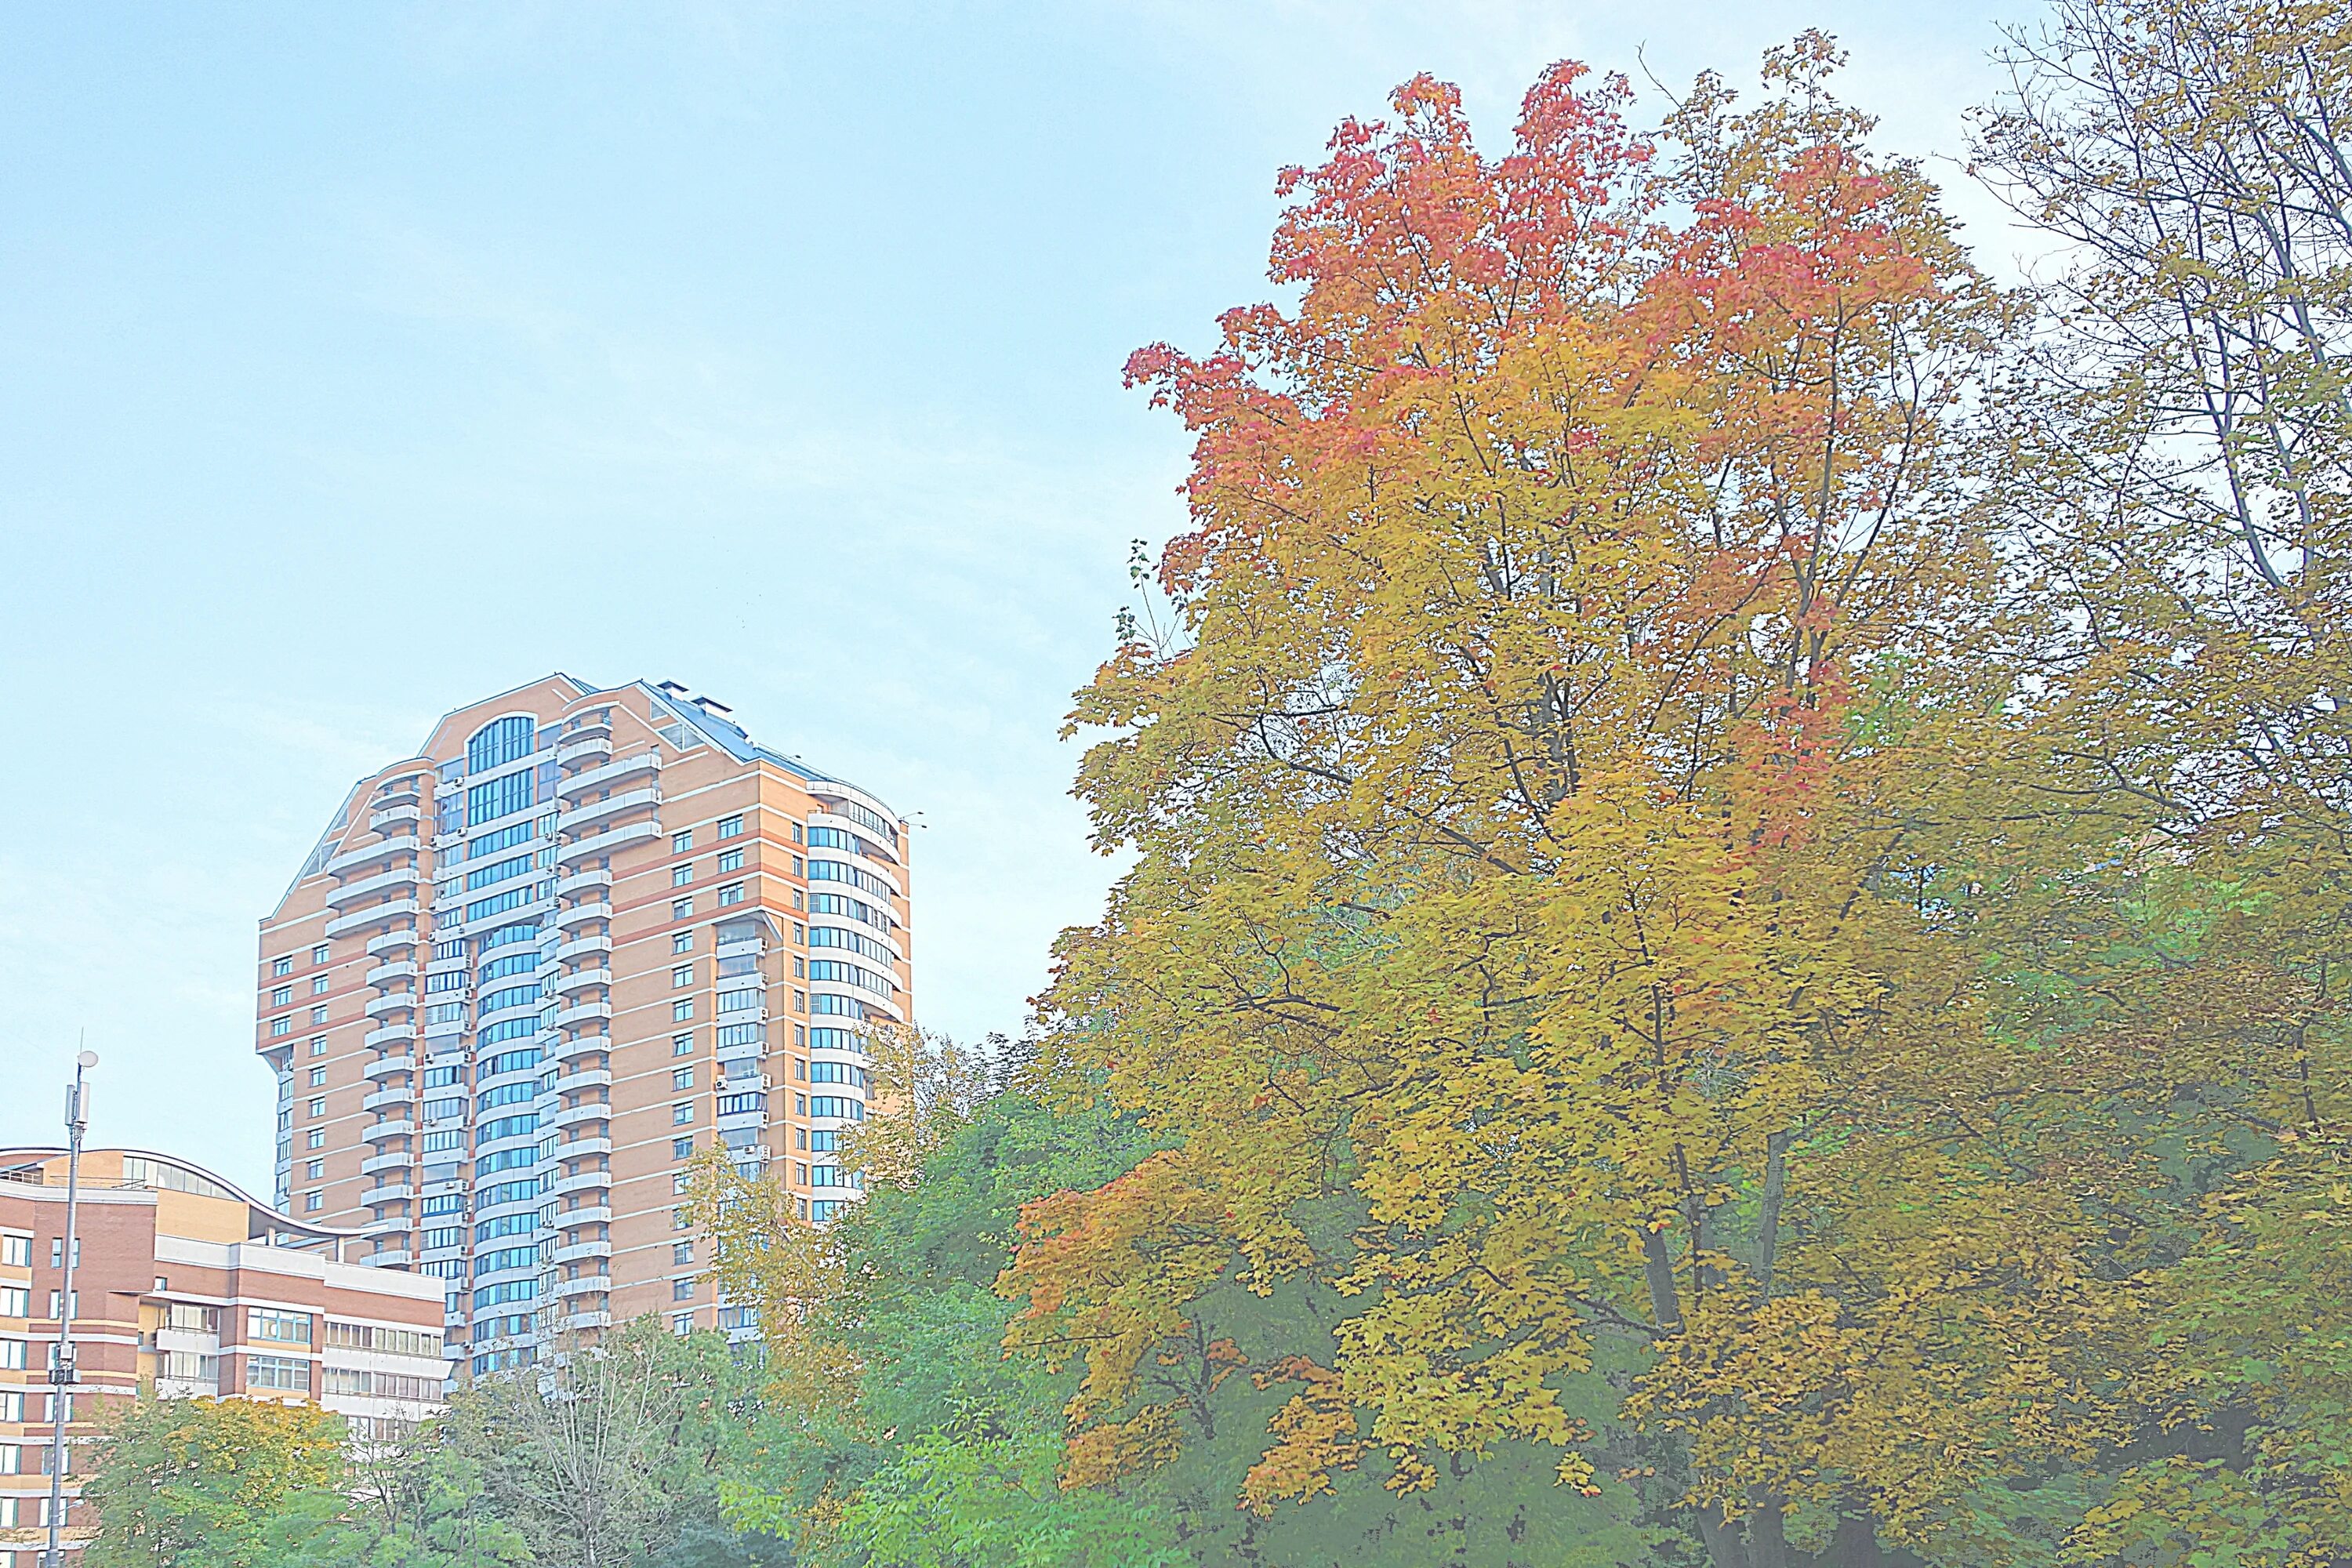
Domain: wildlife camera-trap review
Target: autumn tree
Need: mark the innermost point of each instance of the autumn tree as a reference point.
(199, 1483)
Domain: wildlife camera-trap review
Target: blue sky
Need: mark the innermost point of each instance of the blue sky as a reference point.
(362, 360)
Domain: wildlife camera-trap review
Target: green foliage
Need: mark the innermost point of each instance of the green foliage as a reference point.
(205, 1483)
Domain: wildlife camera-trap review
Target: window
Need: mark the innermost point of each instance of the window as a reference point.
(679, 875)
(521, 930)
(682, 1078)
(441, 1143)
(315, 1171)
(683, 975)
(800, 968)
(319, 983)
(319, 1107)
(679, 1012)
(280, 1027)
(506, 1094)
(318, 1078)
(681, 942)
(499, 797)
(739, 1001)
(837, 1105)
(681, 1323)
(313, 1202)
(506, 1224)
(504, 838)
(679, 843)
(507, 1127)
(280, 997)
(681, 1113)
(318, 1016)
(17, 1251)
(12, 1355)
(681, 1289)
(681, 1148)
(286, 1328)
(682, 1253)
(277, 1372)
(678, 1181)
(800, 1137)
(315, 1139)
(282, 965)
(318, 954)
(443, 1077)
(511, 996)
(448, 1203)
(742, 1034)
(732, 893)
(500, 968)
(319, 1045)
(681, 1045)
(498, 741)
(730, 860)
(740, 1104)
(15, 1301)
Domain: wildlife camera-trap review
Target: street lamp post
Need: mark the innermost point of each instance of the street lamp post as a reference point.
(61, 1371)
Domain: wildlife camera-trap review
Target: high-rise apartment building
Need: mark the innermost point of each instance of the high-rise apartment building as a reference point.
(183, 1284)
(529, 972)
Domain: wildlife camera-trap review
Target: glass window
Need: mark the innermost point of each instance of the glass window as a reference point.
(499, 741)
(282, 965)
(679, 843)
(681, 909)
(318, 1078)
(319, 1045)
(681, 1045)
(682, 975)
(280, 1027)
(318, 1016)
(682, 1078)
(730, 860)
(313, 1202)
(319, 983)
(728, 826)
(277, 1373)
(679, 1012)
(681, 1113)
(281, 997)
(286, 1328)
(732, 893)
(315, 1139)
(319, 1108)
(681, 1289)
(681, 1148)
(679, 875)
(315, 1171)
(682, 941)
(318, 954)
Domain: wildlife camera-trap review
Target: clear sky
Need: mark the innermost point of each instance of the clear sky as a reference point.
(357, 361)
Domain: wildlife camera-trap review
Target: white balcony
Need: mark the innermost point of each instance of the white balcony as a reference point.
(590, 1214)
(375, 887)
(378, 1131)
(586, 1044)
(581, 1013)
(393, 818)
(391, 1002)
(399, 1094)
(403, 941)
(604, 810)
(582, 980)
(574, 1148)
(391, 1034)
(392, 1257)
(743, 947)
(582, 1182)
(588, 751)
(371, 854)
(388, 1193)
(582, 881)
(581, 914)
(584, 947)
(587, 1078)
(610, 843)
(612, 773)
(581, 1322)
(384, 974)
(579, 1252)
(596, 1110)
(586, 1285)
(376, 1163)
(401, 910)
(383, 1067)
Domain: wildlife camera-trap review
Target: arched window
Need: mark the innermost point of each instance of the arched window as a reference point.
(499, 741)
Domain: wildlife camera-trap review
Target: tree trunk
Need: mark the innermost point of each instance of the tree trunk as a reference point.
(1856, 1543)
(1767, 1533)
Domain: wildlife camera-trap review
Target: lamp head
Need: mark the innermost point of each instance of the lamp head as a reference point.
(87, 1059)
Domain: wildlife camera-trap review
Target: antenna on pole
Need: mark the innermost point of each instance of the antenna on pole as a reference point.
(62, 1374)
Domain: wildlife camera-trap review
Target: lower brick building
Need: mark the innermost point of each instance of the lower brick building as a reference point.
(185, 1284)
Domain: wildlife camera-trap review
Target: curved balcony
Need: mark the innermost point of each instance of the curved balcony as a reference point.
(376, 1164)
(613, 772)
(582, 1182)
(617, 839)
(887, 856)
(586, 1078)
(579, 882)
(584, 980)
(587, 752)
(399, 941)
(574, 1148)
(391, 1034)
(384, 974)
(509, 1206)
(383, 1224)
(378, 1131)
(390, 1259)
(582, 1323)
(511, 1271)
(373, 886)
(596, 1110)
(402, 909)
(581, 914)
(592, 1214)
(392, 819)
(370, 854)
(585, 1045)
(388, 1193)
(383, 1067)
(586, 1285)
(580, 1251)
(399, 1094)
(598, 944)
(604, 810)
(389, 1002)
(582, 1013)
